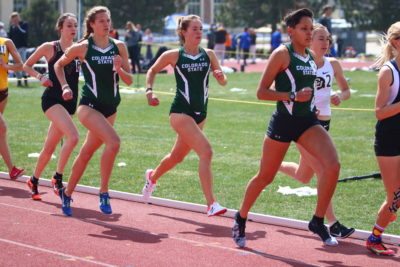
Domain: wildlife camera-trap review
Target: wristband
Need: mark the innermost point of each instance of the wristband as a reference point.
(292, 96)
(65, 86)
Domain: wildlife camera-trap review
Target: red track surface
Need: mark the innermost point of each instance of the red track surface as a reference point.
(37, 234)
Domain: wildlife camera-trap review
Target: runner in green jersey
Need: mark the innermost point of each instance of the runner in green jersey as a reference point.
(293, 70)
(105, 60)
(329, 69)
(192, 65)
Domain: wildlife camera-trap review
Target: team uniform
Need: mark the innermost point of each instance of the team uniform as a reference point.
(191, 75)
(53, 95)
(4, 54)
(387, 142)
(101, 89)
(323, 90)
(292, 119)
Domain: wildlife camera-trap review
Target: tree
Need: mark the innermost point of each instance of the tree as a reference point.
(371, 14)
(41, 16)
(256, 13)
(149, 13)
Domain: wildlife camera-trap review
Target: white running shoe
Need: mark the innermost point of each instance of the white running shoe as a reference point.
(149, 186)
(215, 209)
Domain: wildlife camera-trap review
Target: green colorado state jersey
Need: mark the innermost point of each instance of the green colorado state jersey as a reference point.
(191, 74)
(101, 80)
(300, 73)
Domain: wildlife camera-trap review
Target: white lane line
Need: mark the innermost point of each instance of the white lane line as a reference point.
(168, 236)
(28, 209)
(55, 252)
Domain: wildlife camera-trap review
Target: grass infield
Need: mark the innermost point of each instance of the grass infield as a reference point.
(235, 126)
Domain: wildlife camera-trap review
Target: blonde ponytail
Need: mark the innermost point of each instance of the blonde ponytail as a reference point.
(388, 51)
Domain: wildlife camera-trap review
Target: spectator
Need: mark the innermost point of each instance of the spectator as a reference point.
(220, 39)
(228, 44)
(148, 40)
(132, 39)
(139, 30)
(234, 47)
(211, 37)
(326, 20)
(3, 32)
(19, 35)
(244, 44)
(276, 38)
(253, 40)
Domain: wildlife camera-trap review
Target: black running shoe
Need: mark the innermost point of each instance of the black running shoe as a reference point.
(33, 186)
(340, 231)
(238, 231)
(322, 231)
(57, 185)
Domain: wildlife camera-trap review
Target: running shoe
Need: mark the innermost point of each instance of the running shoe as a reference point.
(215, 209)
(105, 205)
(322, 231)
(149, 186)
(57, 185)
(378, 248)
(340, 231)
(65, 203)
(238, 231)
(15, 173)
(34, 189)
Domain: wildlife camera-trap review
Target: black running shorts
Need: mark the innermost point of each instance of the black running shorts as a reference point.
(106, 110)
(287, 128)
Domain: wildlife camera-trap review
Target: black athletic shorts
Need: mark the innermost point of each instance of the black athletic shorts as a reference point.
(48, 102)
(387, 144)
(287, 128)
(3, 94)
(106, 110)
(198, 117)
(325, 124)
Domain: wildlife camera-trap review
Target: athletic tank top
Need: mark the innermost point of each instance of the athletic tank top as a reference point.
(71, 75)
(300, 73)
(4, 56)
(101, 80)
(323, 88)
(191, 75)
(392, 124)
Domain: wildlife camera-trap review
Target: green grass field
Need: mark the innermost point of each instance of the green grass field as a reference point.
(236, 126)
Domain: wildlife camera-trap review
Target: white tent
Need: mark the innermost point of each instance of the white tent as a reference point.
(171, 23)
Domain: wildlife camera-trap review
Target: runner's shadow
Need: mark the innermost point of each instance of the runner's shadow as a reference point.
(85, 214)
(212, 230)
(16, 192)
(345, 248)
(112, 231)
(119, 232)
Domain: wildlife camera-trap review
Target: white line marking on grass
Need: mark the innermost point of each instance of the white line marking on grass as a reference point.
(263, 103)
(55, 252)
